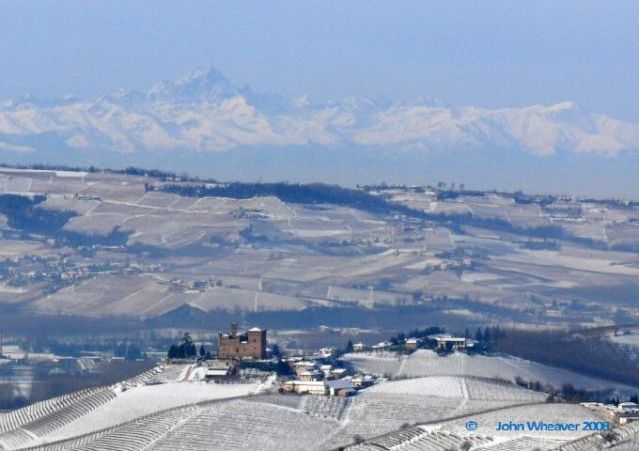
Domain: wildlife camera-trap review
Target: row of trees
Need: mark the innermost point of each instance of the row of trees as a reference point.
(589, 355)
(69, 348)
(186, 349)
(489, 336)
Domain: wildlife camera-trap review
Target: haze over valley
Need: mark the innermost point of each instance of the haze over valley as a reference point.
(205, 125)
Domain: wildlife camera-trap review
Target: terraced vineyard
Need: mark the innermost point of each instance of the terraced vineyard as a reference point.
(417, 439)
(426, 413)
(248, 425)
(56, 415)
(422, 243)
(427, 363)
(325, 407)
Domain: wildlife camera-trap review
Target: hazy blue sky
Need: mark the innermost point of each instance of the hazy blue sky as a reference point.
(483, 53)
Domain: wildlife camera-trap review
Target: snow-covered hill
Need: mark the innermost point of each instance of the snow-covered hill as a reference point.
(205, 112)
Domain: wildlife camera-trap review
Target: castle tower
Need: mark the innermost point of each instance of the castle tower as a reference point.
(233, 329)
(256, 345)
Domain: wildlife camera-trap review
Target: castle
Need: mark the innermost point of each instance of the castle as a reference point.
(252, 344)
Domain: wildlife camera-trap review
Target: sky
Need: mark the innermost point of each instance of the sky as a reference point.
(488, 53)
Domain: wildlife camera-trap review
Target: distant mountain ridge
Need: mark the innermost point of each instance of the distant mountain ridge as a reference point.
(205, 112)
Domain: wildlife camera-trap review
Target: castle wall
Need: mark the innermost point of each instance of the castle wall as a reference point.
(232, 347)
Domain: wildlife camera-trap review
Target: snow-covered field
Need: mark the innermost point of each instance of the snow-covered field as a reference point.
(454, 434)
(416, 413)
(251, 426)
(146, 400)
(629, 339)
(428, 363)
(550, 413)
(392, 405)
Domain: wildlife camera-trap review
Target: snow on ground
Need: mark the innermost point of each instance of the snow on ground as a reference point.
(629, 339)
(524, 443)
(391, 405)
(596, 263)
(249, 425)
(374, 363)
(146, 400)
(483, 390)
(428, 363)
(12, 290)
(446, 387)
(549, 413)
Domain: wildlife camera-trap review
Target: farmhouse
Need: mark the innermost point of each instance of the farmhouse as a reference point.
(337, 373)
(310, 375)
(359, 347)
(449, 342)
(303, 366)
(216, 374)
(252, 344)
(310, 387)
(412, 344)
(382, 346)
(326, 353)
(340, 387)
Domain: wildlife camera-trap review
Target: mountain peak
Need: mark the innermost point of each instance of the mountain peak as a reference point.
(204, 84)
(206, 75)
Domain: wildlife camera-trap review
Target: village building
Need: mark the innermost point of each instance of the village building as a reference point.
(382, 346)
(310, 387)
(623, 413)
(447, 342)
(337, 373)
(310, 375)
(216, 374)
(363, 381)
(251, 345)
(340, 387)
(326, 353)
(326, 370)
(218, 370)
(412, 344)
(303, 366)
(359, 347)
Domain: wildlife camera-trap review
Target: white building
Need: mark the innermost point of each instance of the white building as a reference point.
(359, 347)
(310, 387)
(447, 341)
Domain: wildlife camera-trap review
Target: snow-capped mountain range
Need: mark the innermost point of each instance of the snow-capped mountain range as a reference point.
(204, 112)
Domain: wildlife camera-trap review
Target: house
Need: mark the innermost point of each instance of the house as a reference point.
(216, 374)
(623, 413)
(359, 347)
(326, 353)
(220, 369)
(629, 411)
(629, 407)
(628, 418)
(237, 346)
(382, 346)
(303, 366)
(340, 387)
(363, 381)
(310, 375)
(337, 373)
(447, 342)
(310, 387)
(326, 370)
(412, 344)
